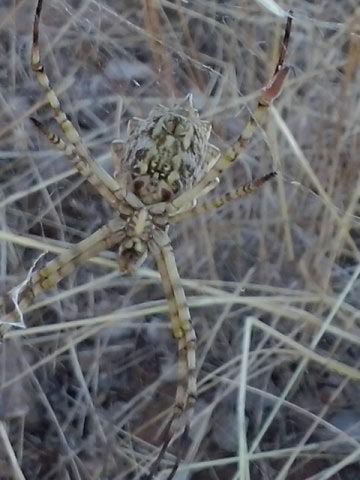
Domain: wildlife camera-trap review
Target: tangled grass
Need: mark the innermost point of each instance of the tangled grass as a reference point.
(273, 282)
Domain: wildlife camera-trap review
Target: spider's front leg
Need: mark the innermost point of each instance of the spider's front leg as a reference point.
(184, 333)
(47, 277)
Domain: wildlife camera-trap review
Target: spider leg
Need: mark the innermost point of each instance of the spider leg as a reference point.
(71, 134)
(271, 91)
(47, 277)
(96, 179)
(223, 200)
(184, 333)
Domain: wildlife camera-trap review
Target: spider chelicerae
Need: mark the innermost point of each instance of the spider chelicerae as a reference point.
(166, 164)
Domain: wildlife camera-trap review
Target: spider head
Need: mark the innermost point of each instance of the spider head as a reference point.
(132, 255)
(166, 153)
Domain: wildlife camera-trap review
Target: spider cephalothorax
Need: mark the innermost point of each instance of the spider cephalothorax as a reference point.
(139, 229)
(166, 153)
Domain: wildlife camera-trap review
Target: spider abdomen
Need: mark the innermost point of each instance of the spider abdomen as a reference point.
(166, 153)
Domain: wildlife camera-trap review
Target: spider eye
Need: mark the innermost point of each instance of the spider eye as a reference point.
(166, 167)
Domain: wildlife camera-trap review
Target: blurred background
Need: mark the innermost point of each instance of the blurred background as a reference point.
(272, 281)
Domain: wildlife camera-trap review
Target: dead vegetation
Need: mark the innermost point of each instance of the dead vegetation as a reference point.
(272, 281)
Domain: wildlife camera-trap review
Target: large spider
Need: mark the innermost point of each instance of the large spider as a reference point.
(160, 172)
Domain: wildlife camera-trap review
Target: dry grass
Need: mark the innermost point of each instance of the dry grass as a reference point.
(274, 289)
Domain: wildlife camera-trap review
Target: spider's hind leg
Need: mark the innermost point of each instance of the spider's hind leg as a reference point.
(61, 118)
(268, 94)
(106, 185)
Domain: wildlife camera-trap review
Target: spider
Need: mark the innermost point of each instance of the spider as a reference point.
(160, 172)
